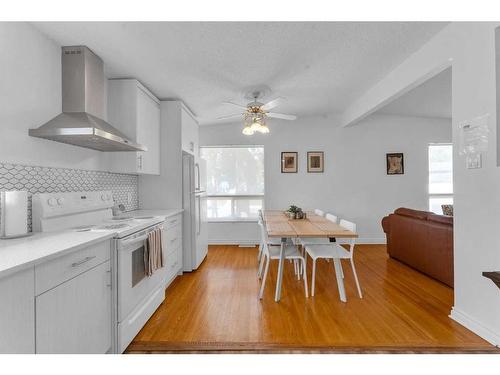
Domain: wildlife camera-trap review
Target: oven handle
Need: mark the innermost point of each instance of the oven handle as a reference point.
(142, 238)
(135, 240)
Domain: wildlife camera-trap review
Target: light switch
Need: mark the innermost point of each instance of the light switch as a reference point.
(473, 161)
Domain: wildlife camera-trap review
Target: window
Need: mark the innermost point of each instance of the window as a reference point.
(235, 182)
(440, 176)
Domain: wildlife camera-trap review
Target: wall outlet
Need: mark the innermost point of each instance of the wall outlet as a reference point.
(473, 161)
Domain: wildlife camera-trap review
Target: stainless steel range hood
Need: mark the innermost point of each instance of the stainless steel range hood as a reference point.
(83, 102)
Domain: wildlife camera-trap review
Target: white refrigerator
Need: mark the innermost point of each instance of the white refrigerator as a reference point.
(194, 203)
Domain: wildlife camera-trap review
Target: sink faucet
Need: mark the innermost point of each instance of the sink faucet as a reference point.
(118, 209)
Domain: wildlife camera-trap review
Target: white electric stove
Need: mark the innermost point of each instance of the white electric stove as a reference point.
(84, 211)
(136, 295)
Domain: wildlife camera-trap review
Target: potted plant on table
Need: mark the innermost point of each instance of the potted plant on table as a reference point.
(295, 212)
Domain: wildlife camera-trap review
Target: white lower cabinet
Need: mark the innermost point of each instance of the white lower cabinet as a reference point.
(17, 313)
(172, 243)
(75, 317)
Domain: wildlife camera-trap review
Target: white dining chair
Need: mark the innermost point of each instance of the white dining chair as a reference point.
(319, 212)
(318, 240)
(272, 252)
(272, 241)
(336, 252)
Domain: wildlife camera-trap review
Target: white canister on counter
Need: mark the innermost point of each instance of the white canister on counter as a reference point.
(13, 213)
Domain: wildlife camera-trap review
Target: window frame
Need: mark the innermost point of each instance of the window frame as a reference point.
(438, 195)
(235, 197)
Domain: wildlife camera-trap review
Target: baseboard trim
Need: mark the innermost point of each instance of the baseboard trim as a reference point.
(359, 241)
(233, 242)
(365, 241)
(473, 325)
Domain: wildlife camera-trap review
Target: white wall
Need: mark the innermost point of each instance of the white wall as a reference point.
(354, 185)
(30, 92)
(470, 50)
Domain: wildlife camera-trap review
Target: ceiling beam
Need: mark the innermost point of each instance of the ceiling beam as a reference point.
(431, 59)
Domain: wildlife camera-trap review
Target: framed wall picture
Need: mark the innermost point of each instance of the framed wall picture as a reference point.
(395, 163)
(289, 162)
(315, 162)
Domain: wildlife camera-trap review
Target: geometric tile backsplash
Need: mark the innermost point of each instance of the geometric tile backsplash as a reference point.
(53, 180)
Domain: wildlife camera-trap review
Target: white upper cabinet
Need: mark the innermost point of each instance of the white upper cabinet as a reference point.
(135, 111)
(190, 132)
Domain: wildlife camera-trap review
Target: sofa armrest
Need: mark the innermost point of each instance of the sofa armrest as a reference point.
(385, 224)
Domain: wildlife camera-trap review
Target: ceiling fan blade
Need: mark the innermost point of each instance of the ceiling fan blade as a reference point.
(273, 103)
(236, 104)
(281, 116)
(237, 115)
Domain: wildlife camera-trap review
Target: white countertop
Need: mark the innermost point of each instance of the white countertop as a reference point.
(165, 213)
(21, 253)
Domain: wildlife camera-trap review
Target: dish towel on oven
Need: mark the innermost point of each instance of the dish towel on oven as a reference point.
(153, 252)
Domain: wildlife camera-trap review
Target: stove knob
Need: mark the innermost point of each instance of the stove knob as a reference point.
(60, 201)
(52, 202)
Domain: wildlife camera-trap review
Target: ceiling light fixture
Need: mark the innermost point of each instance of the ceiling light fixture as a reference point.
(255, 113)
(255, 121)
(247, 130)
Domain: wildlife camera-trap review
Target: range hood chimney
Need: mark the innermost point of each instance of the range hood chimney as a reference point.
(82, 103)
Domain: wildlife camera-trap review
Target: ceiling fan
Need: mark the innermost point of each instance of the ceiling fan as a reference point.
(254, 114)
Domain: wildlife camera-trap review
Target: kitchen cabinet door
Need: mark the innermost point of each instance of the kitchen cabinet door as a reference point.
(190, 133)
(135, 111)
(148, 133)
(75, 317)
(17, 312)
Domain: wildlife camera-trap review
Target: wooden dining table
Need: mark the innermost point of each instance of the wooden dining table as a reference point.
(279, 225)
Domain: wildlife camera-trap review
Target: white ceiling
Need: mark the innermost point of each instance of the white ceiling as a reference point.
(320, 67)
(431, 99)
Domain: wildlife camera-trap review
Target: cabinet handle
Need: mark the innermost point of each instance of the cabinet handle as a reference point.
(173, 240)
(76, 264)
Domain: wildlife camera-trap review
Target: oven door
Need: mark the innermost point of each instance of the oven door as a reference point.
(134, 286)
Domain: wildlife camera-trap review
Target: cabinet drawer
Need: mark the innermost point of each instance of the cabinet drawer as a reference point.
(57, 271)
(173, 221)
(173, 264)
(173, 239)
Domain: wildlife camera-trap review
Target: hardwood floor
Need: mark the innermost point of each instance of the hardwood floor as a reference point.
(216, 309)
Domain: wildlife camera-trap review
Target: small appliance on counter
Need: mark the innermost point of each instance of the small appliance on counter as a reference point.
(13, 214)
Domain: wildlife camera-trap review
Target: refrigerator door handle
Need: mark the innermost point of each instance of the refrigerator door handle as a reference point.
(198, 185)
(199, 216)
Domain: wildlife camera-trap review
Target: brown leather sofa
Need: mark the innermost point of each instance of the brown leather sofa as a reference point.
(422, 240)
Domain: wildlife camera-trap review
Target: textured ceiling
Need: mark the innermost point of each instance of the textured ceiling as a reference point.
(320, 67)
(431, 99)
